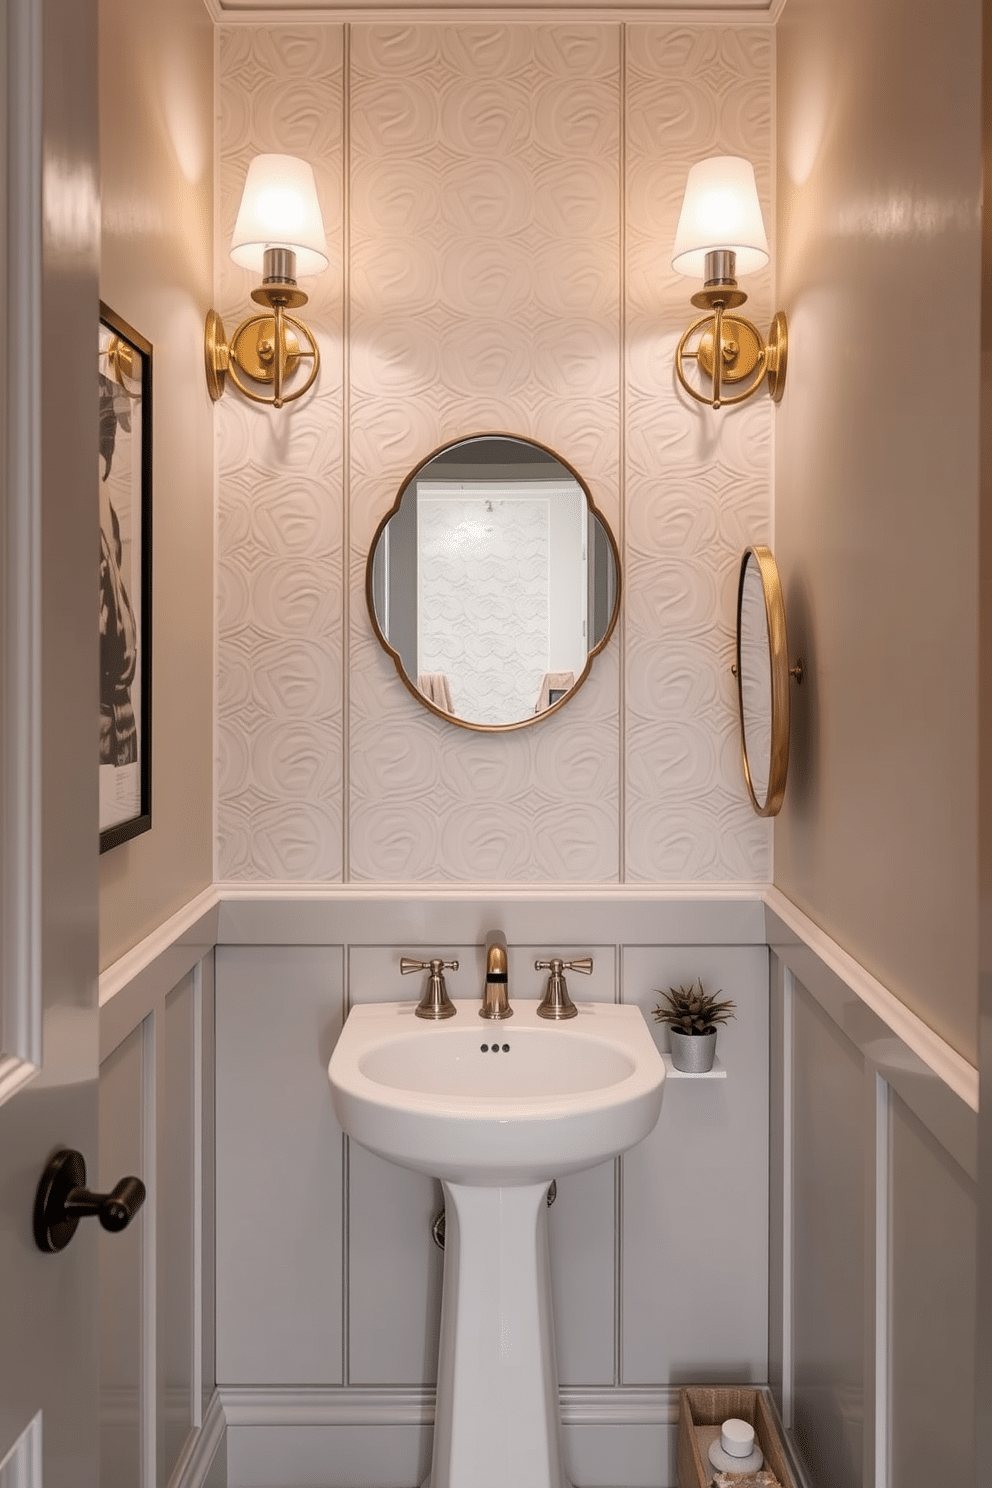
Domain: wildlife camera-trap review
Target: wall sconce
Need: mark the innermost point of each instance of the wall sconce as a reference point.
(279, 233)
(721, 233)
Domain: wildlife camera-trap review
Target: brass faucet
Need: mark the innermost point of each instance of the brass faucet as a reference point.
(494, 999)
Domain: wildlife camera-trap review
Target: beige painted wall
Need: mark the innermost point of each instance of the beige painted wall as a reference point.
(156, 148)
(877, 485)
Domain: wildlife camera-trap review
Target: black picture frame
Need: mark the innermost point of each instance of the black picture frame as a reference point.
(125, 506)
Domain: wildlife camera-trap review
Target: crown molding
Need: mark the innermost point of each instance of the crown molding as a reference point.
(237, 13)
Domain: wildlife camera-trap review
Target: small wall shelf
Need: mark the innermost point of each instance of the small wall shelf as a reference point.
(718, 1072)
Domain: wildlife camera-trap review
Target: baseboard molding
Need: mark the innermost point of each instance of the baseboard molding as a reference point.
(289, 1405)
(199, 1457)
(285, 1437)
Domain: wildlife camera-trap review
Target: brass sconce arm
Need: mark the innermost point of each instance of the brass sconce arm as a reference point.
(744, 356)
(265, 348)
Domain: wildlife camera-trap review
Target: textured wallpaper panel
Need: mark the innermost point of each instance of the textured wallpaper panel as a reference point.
(697, 483)
(491, 233)
(485, 272)
(279, 563)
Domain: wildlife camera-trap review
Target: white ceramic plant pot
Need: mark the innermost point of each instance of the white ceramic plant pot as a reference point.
(693, 1053)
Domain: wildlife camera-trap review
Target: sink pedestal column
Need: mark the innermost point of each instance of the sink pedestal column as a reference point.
(497, 1419)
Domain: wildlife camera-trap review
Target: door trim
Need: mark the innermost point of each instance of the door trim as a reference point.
(20, 553)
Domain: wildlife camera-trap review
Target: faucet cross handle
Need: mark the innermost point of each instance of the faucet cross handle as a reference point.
(435, 1004)
(556, 1003)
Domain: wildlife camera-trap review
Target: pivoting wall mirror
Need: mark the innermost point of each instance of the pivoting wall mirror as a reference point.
(763, 674)
(493, 581)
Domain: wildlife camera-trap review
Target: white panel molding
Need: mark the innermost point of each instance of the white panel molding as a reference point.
(152, 1060)
(202, 1446)
(816, 958)
(250, 1405)
(196, 1381)
(601, 1428)
(138, 983)
(20, 554)
(725, 914)
(879, 1028)
(786, 1096)
(22, 1466)
(877, 1212)
(354, 1405)
(15, 1072)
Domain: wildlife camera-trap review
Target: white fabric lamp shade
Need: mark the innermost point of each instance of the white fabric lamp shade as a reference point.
(720, 210)
(279, 209)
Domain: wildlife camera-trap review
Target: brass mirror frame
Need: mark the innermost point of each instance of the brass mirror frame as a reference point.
(491, 728)
(778, 661)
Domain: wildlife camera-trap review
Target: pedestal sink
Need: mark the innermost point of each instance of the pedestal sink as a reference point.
(496, 1110)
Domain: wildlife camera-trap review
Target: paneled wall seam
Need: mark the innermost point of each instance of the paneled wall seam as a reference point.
(617, 1228)
(622, 470)
(151, 1055)
(785, 1219)
(197, 1217)
(346, 453)
(219, 248)
(878, 1252)
(346, 1207)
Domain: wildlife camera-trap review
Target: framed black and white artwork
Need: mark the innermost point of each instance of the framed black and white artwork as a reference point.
(125, 485)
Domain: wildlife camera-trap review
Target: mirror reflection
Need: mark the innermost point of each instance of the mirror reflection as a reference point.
(755, 682)
(763, 680)
(493, 582)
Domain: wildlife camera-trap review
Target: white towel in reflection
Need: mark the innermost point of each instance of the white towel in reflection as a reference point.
(553, 682)
(434, 686)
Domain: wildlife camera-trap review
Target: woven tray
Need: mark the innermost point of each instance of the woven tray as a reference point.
(708, 1405)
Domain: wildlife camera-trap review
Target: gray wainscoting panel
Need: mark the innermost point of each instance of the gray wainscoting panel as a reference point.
(779, 1217)
(122, 1128)
(175, 1217)
(205, 1153)
(932, 1288)
(582, 1238)
(329, 1457)
(694, 1295)
(279, 1166)
(829, 1297)
(394, 1273)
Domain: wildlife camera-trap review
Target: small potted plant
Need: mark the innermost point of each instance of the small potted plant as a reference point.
(692, 1015)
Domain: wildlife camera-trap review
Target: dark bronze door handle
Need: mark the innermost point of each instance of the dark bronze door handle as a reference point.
(63, 1200)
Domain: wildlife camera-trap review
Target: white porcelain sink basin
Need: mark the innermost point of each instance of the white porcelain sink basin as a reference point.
(496, 1104)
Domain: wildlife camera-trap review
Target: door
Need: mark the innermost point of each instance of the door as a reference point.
(49, 242)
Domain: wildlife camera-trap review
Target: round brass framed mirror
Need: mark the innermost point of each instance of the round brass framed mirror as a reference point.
(763, 672)
(493, 581)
